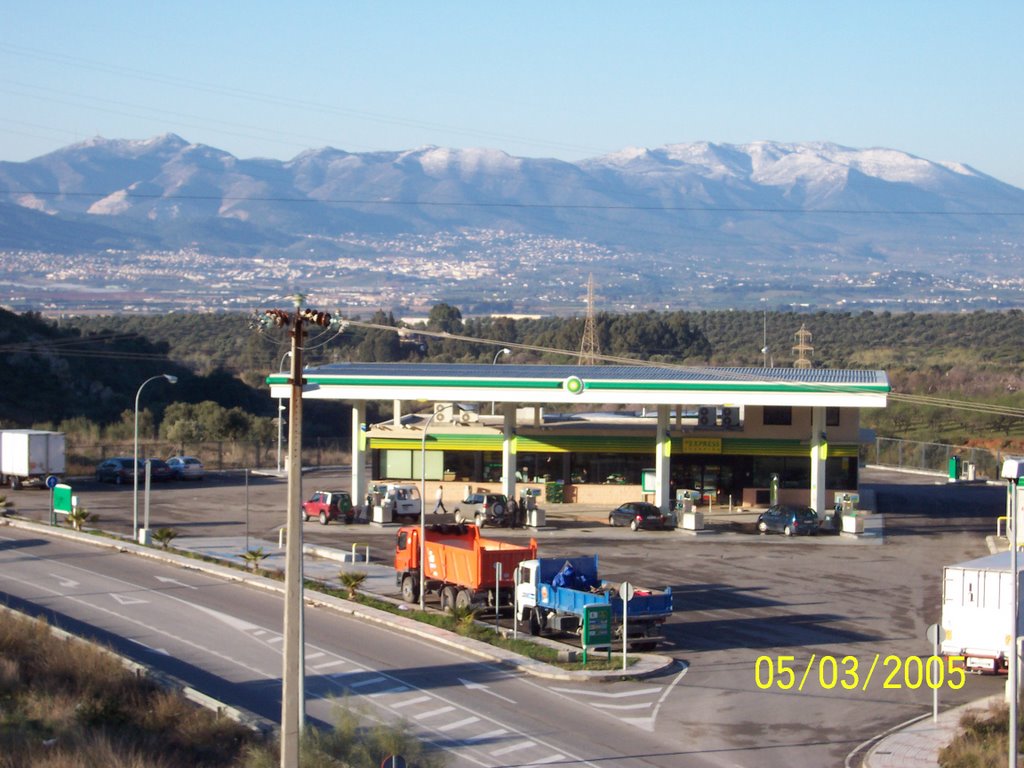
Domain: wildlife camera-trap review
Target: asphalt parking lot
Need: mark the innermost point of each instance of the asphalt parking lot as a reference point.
(742, 600)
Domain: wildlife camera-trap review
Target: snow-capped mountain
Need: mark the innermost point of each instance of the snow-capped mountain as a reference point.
(773, 203)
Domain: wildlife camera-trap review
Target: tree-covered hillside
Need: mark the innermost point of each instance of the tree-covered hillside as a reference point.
(91, 366)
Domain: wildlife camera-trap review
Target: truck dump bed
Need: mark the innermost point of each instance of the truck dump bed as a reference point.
(588, 589)
(461, 556)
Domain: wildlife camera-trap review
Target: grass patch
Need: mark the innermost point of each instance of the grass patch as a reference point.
(65, 703)
(480, 631)
(983, 739)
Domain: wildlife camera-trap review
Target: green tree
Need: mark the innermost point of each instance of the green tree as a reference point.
(445, 318)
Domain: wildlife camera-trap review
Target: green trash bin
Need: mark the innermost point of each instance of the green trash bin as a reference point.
(954, 468)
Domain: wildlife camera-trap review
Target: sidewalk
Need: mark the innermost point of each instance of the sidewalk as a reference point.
(916, 744)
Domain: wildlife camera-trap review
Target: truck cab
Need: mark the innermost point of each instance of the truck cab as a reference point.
(526, 583)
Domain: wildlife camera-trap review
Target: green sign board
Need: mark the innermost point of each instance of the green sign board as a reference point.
(597, 627)
(62, 499)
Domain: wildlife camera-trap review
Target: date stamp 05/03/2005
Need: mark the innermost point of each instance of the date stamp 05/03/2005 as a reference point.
(853, 674)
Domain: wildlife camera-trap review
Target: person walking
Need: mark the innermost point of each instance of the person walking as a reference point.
(439, 500)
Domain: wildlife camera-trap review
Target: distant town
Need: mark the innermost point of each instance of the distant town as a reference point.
(484, 272)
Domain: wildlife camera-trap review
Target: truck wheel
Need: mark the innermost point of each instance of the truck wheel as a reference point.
(535, 622)
(464, 600)
(303, 515)
(410, 590)
(447, 599)
(15, 483)
(323, 518)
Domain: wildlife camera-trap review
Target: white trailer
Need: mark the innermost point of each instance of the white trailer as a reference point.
(28, 456)
(977, 616)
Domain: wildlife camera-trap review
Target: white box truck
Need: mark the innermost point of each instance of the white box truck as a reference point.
(28, 456)
(977, 619)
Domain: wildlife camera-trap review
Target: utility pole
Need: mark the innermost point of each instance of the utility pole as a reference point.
(292, 672)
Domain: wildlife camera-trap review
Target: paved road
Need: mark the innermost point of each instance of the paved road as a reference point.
(226, 638)
(743, 603)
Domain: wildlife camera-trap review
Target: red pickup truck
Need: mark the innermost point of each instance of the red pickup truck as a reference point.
(327, 506)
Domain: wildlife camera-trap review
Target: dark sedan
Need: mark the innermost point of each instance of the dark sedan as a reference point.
(159, 471)
(789, 519)
(117, 470)
(637, 515)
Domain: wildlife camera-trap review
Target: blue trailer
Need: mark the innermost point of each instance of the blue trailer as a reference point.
(553, 592)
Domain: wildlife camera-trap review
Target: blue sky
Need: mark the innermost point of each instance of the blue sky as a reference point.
(542, 79)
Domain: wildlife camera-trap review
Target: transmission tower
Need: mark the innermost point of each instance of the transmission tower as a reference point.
(803, 349)
(589, 351)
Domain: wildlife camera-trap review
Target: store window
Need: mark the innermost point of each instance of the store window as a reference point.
(832, 416)
(777, 415)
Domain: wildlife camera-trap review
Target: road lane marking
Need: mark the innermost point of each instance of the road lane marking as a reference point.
(458, 724)
(486, 689)
(395, 689)
(619, 695)
(410, 702)
(526, 744)
(64, 581)
(558, 757)
(331, 663)
(489, 735)
(367, 681)
(434, 713)
(128, 599)
(175, 582)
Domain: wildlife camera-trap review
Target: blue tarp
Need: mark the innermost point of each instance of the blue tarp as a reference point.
(569, 577)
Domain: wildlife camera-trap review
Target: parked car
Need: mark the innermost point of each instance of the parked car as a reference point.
(637, 515)
(117, 470)
(186, 468)
(486, 509)
(328, 505)
(789, 519)
(159, 471)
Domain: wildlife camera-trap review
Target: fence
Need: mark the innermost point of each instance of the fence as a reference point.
(930, 457)
(221, 454)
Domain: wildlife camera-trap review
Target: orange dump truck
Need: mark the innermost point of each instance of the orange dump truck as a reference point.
(461, 565)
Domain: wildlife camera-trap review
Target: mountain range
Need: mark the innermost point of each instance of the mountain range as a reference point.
(814, 210)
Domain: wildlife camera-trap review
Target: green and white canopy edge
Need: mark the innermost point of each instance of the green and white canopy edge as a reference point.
(657, 387)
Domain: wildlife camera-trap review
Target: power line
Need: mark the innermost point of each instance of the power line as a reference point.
(996, 410)
(67, 348)
(504, 204)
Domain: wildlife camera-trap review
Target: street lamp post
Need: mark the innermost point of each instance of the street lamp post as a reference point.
(499, 353)
(135, 468)
(280, 411)
(423, 506)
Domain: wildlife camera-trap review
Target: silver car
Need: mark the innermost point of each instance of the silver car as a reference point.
(186, 468)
